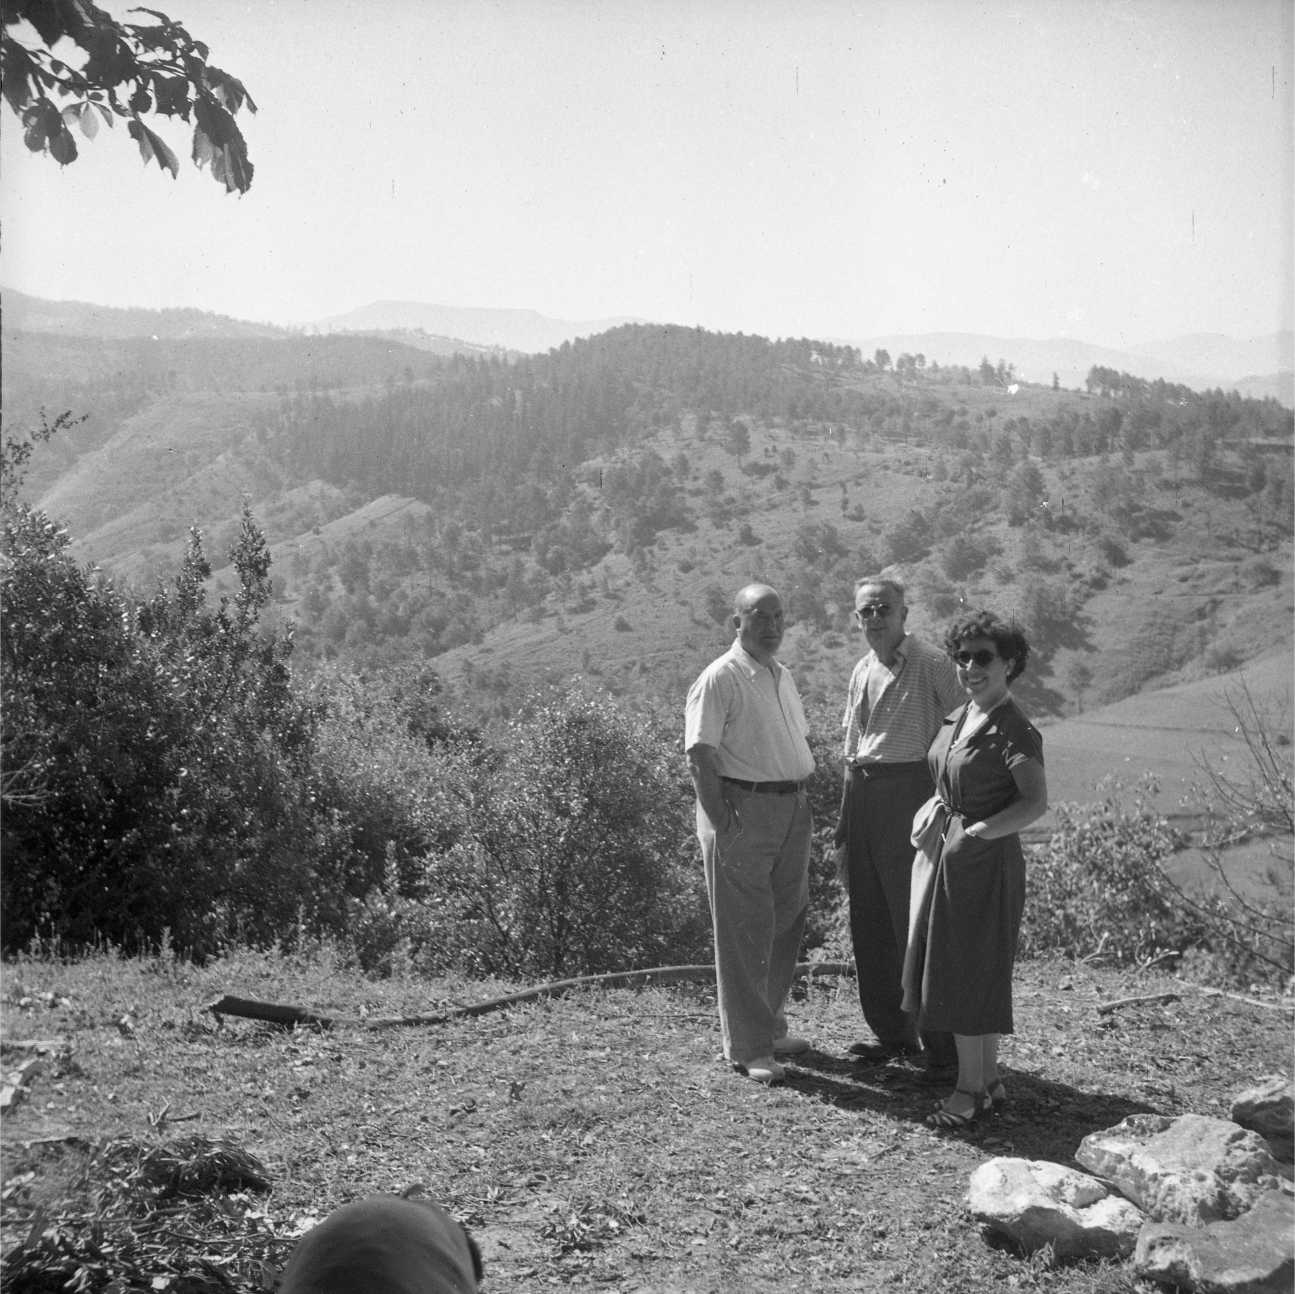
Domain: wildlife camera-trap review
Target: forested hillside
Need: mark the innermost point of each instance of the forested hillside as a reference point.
(592, 509)
(433, 539)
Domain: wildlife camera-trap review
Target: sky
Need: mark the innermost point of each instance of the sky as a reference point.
(1113, 171)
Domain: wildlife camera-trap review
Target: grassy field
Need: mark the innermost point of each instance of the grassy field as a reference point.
(593, 1141)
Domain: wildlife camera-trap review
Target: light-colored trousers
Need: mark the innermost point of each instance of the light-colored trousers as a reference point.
(757, 879)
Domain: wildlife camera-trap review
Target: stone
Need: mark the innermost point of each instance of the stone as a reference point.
(1036, 1203)
(1268, 1108)
(1252, 1254)
(1193, 1169)
(15, 1084)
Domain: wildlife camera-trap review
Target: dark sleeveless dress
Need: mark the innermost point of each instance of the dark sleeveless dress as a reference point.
(965, 927)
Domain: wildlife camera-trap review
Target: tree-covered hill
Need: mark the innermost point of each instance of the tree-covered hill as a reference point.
(593, 508)
(29, 314)
(436, 536)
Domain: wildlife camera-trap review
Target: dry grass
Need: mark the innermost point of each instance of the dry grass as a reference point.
(593, 1141)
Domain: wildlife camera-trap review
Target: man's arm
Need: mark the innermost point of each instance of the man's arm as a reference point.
(703, 764)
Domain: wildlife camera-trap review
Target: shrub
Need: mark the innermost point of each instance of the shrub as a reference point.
(1259, 573)
(963, 555)
(1223, 658)
(381, 794)
(1096, 885)
(1112, 551)
(152, 753)
(719, 605)
(578, 856)
(1101, 886)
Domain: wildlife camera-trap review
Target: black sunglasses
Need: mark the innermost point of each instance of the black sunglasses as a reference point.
(982, 657)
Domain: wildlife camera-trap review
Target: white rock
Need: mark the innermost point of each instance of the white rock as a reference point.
(1192, 1169)
(1252, 1254)
(1268, 1108)
(1035, 1203)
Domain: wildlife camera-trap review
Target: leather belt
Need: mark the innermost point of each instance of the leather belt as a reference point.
(869, 771)
(765, 788)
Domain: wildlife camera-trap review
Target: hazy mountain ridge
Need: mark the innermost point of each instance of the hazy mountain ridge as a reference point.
(1218, 353)
(1258, 367)
(1201, 361)
(24, 313)
(527, 331)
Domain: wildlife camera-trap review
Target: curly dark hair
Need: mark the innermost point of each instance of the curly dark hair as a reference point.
(1007, 636)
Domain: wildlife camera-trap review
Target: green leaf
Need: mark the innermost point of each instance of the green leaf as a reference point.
(228, 90)
(18, 72)
(218, 142)
(49, 21)
(153, 148)
(172, 95)
(62, 146)
(215, 122)
(40, 120)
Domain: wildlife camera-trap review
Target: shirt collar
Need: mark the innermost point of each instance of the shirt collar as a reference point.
(901, 653)
(750, 664)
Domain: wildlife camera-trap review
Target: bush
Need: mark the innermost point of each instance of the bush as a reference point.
(578, 856)
(152, 753)
(1258, 573)
(1223, 658)
(382, 797)
(1112, 551)
(1096, 886)
(964, 555)
(1100, 886)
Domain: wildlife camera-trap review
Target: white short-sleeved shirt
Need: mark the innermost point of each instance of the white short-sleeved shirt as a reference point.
(755, 721)
(920, 690)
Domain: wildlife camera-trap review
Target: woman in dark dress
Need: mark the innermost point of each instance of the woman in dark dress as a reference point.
(969, 877)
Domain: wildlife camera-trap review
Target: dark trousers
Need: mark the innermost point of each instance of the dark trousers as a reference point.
(876, 824)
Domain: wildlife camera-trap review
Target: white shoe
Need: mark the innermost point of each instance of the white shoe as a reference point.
(764, 1069)
(790, 1045)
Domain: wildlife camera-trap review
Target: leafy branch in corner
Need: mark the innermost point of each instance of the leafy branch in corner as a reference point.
(127, 71)
(14, 453)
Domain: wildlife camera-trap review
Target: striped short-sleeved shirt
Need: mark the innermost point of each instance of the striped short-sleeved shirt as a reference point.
(919, 691)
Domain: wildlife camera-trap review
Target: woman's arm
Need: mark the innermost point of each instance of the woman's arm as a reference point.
(1031, 802)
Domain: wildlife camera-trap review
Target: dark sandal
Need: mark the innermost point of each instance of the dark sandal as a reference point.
(942, 1117)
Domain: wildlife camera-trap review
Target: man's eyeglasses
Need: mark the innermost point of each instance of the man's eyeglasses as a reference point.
(982, 657)
(879, 609)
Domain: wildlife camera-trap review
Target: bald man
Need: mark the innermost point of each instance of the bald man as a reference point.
(745, 736)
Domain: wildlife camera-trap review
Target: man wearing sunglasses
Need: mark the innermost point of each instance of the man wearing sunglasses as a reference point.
(899, 693)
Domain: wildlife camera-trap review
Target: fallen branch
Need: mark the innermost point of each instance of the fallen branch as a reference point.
(288, 1016)
(291, 1016)
(1105, 1008)
(1286, 1005)
(46, 1046)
